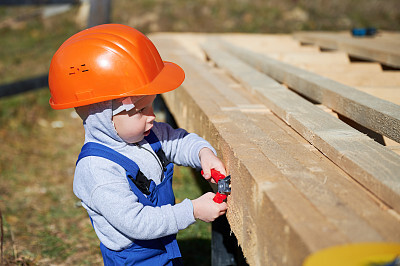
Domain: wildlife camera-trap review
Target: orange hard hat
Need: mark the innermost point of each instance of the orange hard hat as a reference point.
(107, 62)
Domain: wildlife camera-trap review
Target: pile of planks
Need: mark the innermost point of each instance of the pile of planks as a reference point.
(310, 137)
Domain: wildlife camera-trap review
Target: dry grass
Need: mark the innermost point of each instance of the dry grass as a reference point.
(259, 16)
(42, 222)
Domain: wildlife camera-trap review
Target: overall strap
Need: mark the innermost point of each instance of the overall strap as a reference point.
(97, 149)
(100, 150)
(169, 242)
(156, 146)
(153, 141)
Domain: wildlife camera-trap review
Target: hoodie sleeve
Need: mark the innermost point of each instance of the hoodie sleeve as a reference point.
(181, 147)
(103, 188)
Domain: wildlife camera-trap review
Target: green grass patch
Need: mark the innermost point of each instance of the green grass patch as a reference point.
(52, 246)
(42, 223)
(195, 241)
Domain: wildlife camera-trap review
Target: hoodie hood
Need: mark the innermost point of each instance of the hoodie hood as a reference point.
(99, 126)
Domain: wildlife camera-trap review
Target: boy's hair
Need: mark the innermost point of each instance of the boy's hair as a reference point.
(82, 111)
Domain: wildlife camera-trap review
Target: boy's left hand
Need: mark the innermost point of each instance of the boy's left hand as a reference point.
(210, 161)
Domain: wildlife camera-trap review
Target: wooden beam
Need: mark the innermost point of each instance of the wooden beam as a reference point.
(354, 152)
(363, 79)
(311, 58)
(376, 114)
(373, 49)
(288, 200)
(391, 94)
(342, 68)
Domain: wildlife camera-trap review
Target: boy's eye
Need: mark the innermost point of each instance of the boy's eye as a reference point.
(141, 110)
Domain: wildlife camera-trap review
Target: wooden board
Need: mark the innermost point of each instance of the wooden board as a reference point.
(364, 79)
(358, 106)
(331, 136)
(310, 58)
(391, 94)
(288, 200)
(379, 49)
(375, 68)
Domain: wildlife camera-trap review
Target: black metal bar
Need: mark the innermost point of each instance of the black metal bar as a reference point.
(23, 86)
(36, 2)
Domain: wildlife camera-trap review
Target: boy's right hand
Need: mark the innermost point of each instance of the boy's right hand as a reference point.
(205, 209)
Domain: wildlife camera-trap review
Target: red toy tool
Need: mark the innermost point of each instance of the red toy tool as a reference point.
(224, 185)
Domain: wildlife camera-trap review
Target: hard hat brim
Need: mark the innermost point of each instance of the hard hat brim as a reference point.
(169, 78)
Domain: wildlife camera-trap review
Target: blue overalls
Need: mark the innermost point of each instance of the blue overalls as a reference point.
(161, 251)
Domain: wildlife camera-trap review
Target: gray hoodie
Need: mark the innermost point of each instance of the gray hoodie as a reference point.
(118, 217)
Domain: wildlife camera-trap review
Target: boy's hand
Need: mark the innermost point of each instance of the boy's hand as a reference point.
(205, 209)
(210, 161)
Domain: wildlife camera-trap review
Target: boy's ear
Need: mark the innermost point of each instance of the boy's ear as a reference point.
(82, 111)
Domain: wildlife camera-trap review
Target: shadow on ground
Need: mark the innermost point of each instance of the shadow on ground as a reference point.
(195, 252)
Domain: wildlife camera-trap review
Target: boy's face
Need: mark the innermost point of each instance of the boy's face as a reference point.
(132, 126)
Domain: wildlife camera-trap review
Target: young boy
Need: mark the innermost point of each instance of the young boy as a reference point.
(111, 75)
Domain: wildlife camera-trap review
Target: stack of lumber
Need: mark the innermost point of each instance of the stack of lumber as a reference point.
(383, 48)
(310, 138)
